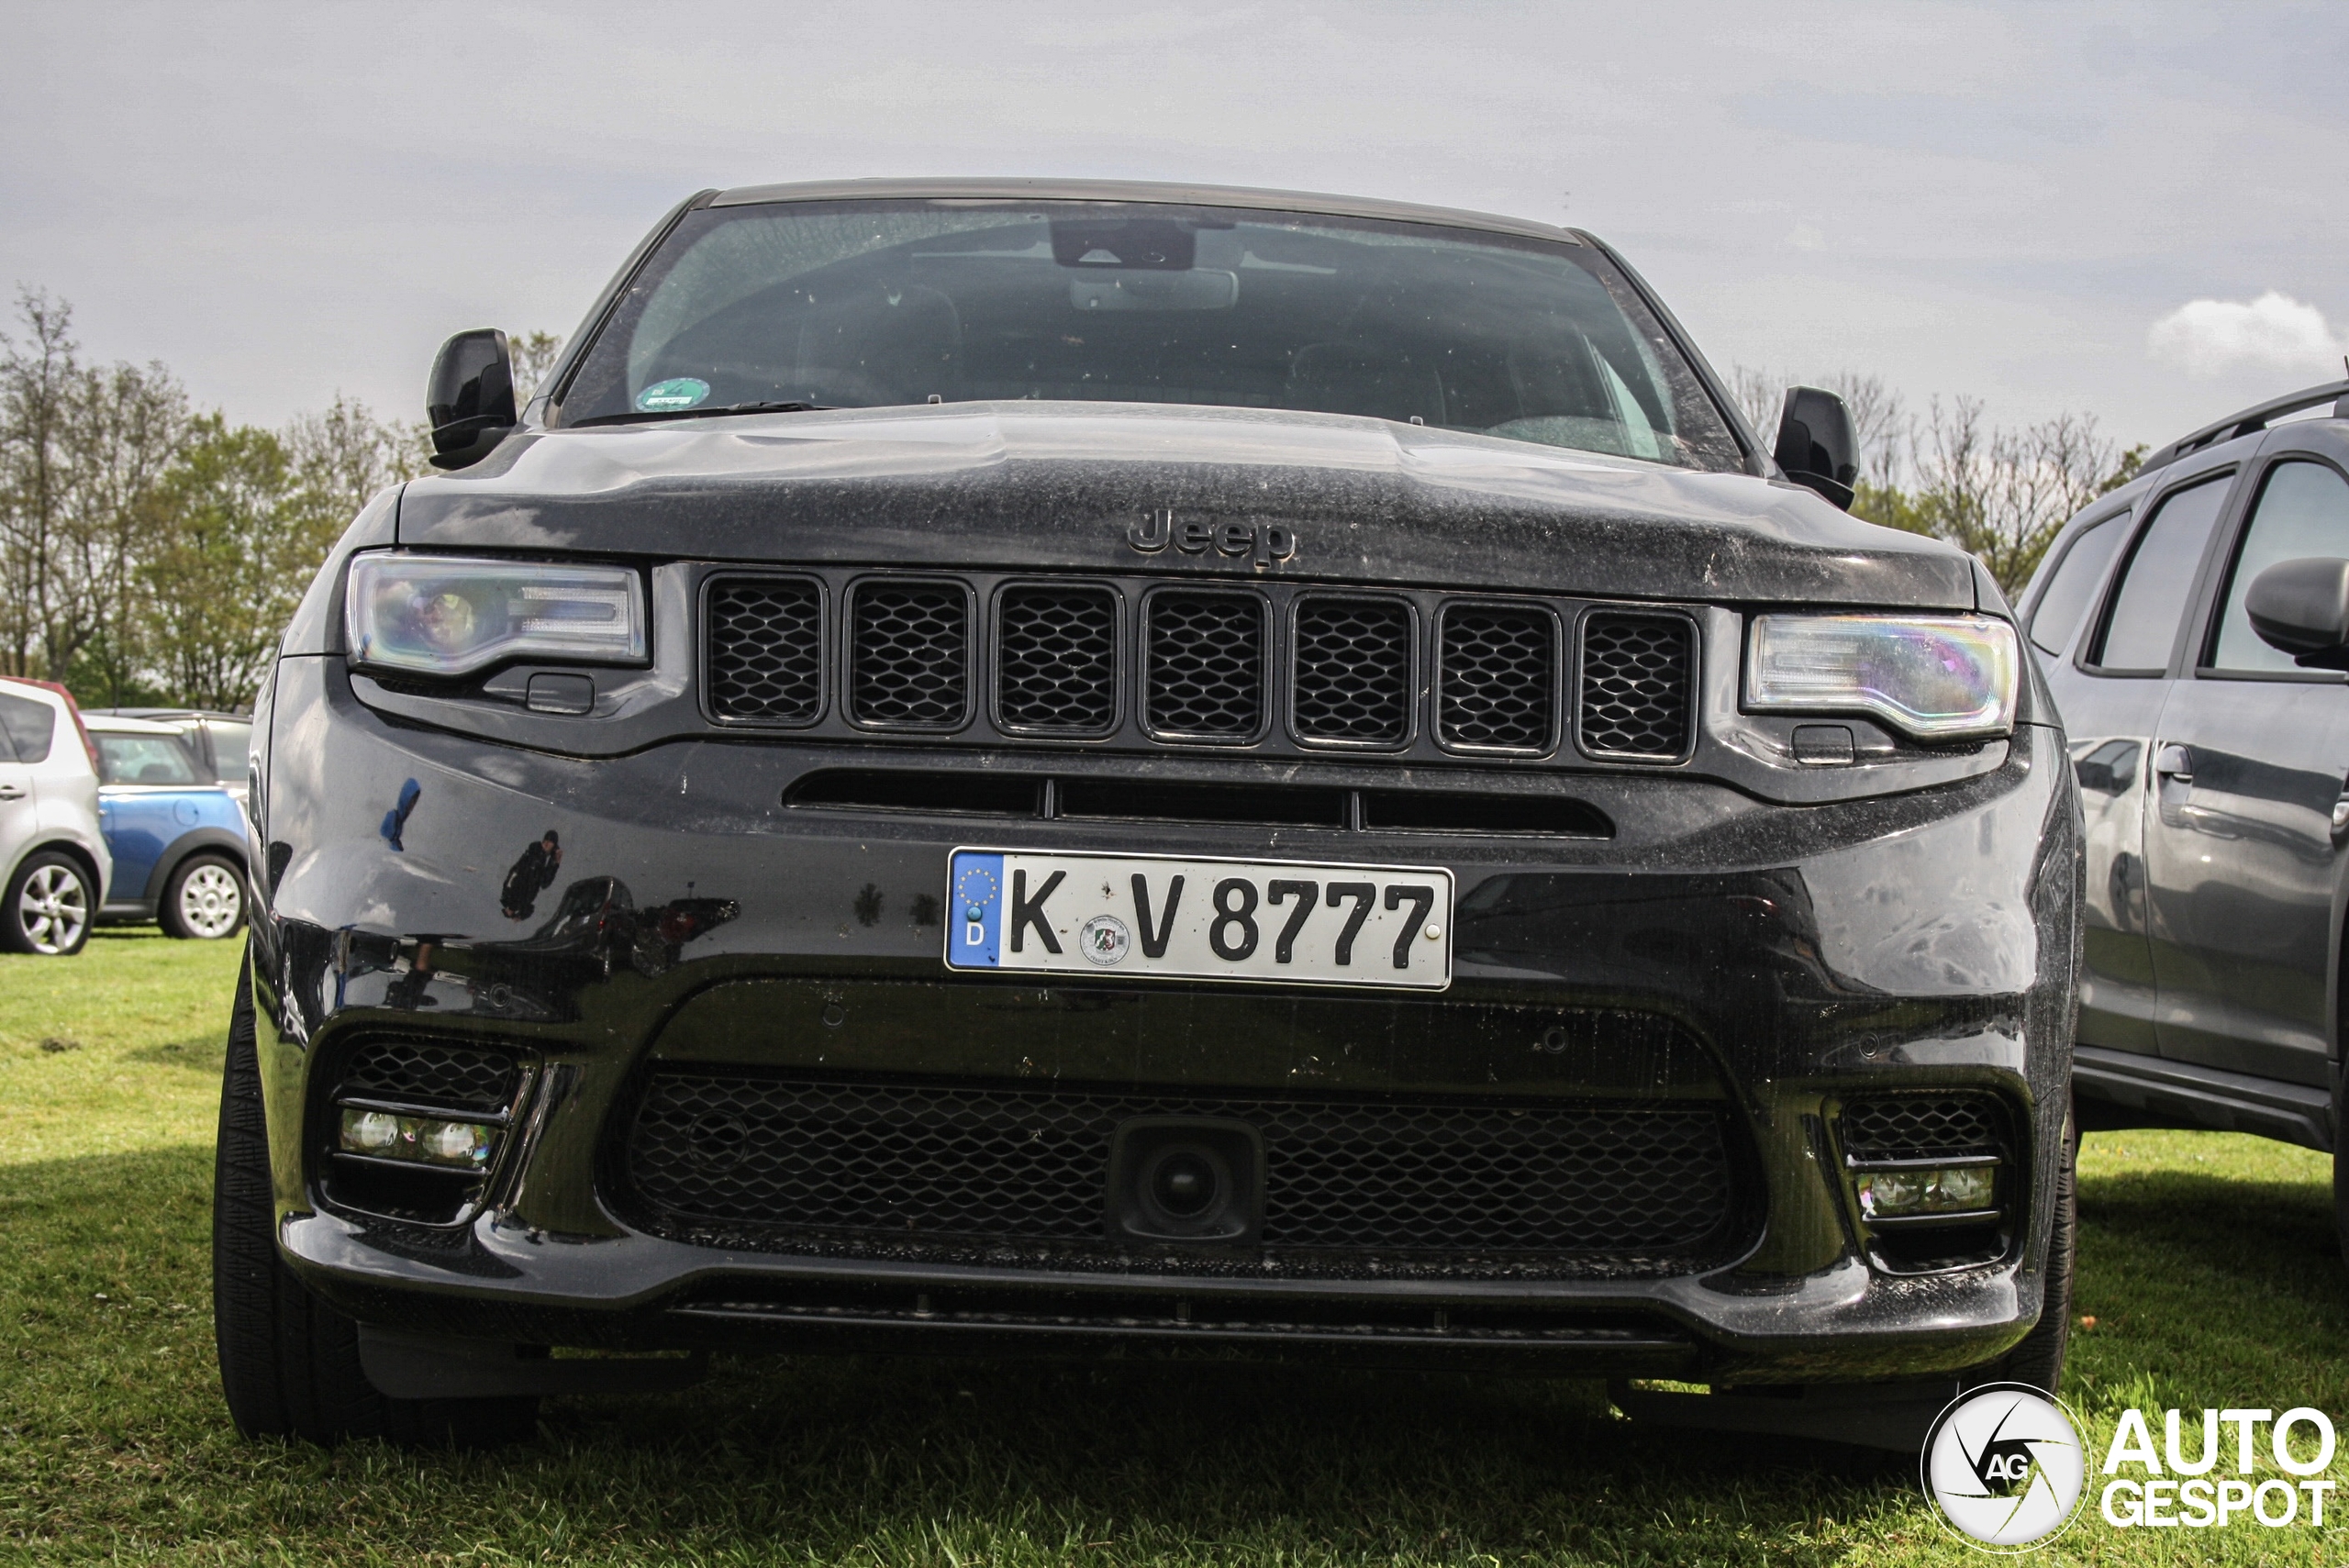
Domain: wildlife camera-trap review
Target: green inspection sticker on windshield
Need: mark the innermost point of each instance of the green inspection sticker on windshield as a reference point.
(679, 392)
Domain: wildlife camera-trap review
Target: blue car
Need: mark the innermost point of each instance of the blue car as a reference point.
(177, 837)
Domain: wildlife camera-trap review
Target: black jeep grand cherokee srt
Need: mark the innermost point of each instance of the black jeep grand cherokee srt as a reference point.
(1076, 769)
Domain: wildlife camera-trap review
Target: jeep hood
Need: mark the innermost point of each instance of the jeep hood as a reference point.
(1040, 486)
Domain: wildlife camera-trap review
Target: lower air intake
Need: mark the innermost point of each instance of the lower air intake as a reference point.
(909, 1163)
(1920, 1127)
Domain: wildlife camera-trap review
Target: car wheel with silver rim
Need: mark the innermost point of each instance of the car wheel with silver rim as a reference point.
(45, 906)
(203, 900)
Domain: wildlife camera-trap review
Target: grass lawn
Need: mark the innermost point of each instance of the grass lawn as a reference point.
(2209, 1267)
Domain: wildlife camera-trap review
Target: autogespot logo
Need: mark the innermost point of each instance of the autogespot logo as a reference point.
(2003, 1467)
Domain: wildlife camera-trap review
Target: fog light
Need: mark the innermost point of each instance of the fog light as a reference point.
(428, 1141)
(455, 1142)
(370, 1132)
(1955, 1189)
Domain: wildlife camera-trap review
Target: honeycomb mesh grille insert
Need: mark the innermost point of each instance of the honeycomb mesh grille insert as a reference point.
(910, 655)
(1205, 675)
(765, 644)
(1920, 1126)
(1056, 658)
(1499, 681)
(1352, 670)
(915, 1162)
(1635, 685)
(419, 1073)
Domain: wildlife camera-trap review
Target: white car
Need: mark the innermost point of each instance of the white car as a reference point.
(54, 864)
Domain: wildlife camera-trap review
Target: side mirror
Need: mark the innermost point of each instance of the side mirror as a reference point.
(2302, 608)
(470, 401)
(1817, 444)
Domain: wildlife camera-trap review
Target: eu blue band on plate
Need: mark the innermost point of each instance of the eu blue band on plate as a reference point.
(974, 914)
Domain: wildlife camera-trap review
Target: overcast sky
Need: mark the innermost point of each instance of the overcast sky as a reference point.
(2135, 211)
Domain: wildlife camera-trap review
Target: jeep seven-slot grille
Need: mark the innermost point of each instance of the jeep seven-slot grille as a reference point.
(911, 1164)
(1636, 672)
(1204, 677)
(1353, 678)
(1274, 667)
(766, 639)
(1056, 660)
(908, 660)
(1498, 686)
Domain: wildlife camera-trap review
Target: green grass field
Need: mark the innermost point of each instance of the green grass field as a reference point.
(2209, 1267)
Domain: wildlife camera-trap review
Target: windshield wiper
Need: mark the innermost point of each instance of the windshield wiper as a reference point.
(701, 413)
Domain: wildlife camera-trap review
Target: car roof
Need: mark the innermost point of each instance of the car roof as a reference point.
(1160, 191)
(116, 724)
(174, 713)
(33, 689)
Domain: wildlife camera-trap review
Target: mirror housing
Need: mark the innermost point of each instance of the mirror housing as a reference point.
(1818, 447)
(470, 401)
(2302, 607)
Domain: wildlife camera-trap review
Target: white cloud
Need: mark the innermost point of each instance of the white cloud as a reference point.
(2211, 337)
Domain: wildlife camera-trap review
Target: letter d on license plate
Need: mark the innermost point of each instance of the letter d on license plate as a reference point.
(1157, 917)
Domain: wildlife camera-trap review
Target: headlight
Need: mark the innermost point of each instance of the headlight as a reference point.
(1937, 677)
(445, 615)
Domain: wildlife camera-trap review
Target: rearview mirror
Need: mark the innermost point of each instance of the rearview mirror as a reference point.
(2302, 608)
(1819, 445)
(470, 401)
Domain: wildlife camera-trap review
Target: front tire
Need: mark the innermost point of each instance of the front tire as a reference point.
(47, 906)
(2038, 1361)
(203, 900)
(289, 1363)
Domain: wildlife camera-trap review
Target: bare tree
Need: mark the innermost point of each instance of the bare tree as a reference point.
(81, 449)
(2003, 493)
(534, 356)
(340, 457)
(1881, 420)
(1877, 414)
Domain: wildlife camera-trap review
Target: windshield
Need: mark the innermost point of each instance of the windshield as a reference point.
(876, 303)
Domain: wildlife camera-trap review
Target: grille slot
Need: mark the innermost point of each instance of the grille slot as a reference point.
(1636, 680)
(1463, 811)
(1498, 686)
(909, 1163)
(766, 642)
(1352, 670)
(1056, 660)
(1205, 671)
(1921, 1127)
(1140, 800)
(915, 789)
(911, 658)
(428, 1075)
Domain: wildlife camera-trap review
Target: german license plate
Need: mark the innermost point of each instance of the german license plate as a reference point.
(1289, 921)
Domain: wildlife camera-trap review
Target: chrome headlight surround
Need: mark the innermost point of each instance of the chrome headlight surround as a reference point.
(453, 615)
(1931, 677)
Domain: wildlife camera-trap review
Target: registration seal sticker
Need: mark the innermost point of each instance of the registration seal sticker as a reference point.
(1103, 939)
(678, 392)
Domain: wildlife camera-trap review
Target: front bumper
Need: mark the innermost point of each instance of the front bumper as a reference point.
(1919, 942)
